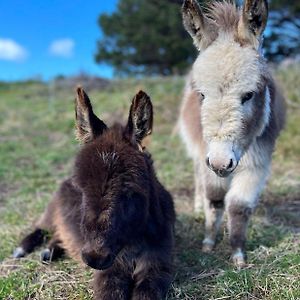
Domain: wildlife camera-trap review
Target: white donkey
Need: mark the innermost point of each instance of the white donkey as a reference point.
(230, 116)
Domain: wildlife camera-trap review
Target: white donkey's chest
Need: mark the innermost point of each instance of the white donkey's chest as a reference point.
(257, 156)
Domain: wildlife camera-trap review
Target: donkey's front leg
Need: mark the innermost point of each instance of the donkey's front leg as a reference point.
(240, 203)
(214, 193)
(213, 209)
(30, 242)
(53, 251)
(199, 190)
(238, 217)
(113, 283)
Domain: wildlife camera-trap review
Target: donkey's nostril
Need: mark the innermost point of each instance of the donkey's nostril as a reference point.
(207, 161)
(97, 262)
(87, 259)
(230, 164)
(106, 263)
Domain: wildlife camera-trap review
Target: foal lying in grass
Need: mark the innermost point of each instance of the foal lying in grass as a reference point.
(112, 213)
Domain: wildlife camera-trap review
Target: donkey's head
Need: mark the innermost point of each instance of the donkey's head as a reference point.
(114, 176)
(230, 77)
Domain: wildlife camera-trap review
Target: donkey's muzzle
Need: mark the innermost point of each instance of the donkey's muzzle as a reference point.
(98, 262)
(222, 169)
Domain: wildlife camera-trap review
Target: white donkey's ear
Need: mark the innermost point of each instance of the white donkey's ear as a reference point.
(197, 24)
(253, 21)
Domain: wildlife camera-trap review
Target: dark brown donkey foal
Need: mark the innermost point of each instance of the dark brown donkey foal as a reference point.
(112, 213)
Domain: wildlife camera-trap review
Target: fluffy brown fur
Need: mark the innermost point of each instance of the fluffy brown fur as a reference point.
(112, 213)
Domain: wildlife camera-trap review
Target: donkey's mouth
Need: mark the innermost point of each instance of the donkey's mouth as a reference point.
(97, 263)
(222, 173)
(107, 263)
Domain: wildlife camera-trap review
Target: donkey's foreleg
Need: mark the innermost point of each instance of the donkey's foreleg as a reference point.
(238, 218)
(241, 201)
(199, 190)
(213, 219)
(53, 250)
(213, 209)
(29, 243)
(39, 235)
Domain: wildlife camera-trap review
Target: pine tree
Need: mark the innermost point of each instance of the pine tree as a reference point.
(283, 39)
(145, 37)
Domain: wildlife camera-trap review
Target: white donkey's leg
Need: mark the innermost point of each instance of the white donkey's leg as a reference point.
(199, 187)
(215, 189)
(240, 202)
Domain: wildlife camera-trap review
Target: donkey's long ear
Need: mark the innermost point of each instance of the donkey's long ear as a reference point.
(140, 117)
(197, 25)
(88, 126)
(253, 21)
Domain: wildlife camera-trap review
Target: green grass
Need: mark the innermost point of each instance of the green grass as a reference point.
(37, 148)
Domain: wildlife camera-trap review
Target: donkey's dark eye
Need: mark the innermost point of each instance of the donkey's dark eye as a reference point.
(202, 96)
(247, 97)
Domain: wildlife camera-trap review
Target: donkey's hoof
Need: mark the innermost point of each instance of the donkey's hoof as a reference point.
(207, 248)
(239, 261)
(207, 245)
(46, 255)
(19, 252)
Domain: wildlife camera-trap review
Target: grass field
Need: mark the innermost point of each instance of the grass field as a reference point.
(37, 148)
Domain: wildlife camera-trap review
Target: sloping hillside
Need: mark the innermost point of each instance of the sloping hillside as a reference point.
(37, 148)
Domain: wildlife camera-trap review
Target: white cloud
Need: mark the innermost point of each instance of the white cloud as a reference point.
(62, 48)
(11, 50)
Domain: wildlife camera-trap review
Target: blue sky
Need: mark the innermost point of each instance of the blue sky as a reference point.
(50, 37)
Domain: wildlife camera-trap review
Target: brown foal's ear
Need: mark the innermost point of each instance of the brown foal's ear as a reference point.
(140, 117)
(88, 126)
(197, 24)
(253, 21)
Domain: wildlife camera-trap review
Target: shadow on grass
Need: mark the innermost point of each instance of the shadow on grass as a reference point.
(197, 272)
(283, 210)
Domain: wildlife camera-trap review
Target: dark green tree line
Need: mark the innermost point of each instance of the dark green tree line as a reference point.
(283, 37)
(147, 36)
